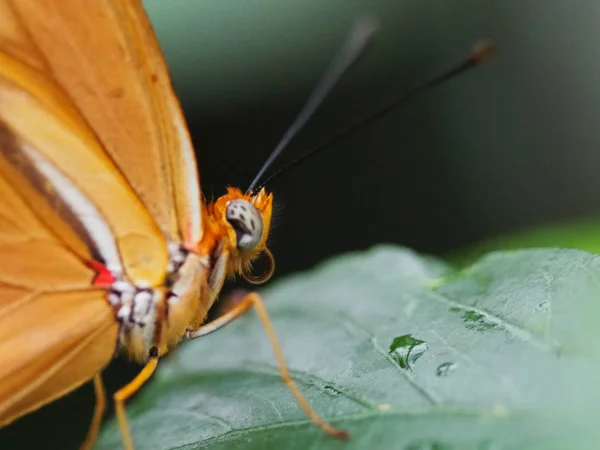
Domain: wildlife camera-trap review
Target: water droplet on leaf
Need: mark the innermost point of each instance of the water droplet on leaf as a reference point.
(474, 320)
(405, 350)
(444, 369)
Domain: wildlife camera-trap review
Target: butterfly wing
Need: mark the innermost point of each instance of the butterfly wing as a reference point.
(56, 331)
(51, 344)
(106, 57)
(50, 152)
(90, 138)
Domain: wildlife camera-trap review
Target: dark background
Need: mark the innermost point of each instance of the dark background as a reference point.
(512, 143)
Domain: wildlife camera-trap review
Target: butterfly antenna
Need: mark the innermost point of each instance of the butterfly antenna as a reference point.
(355, 44)
(480, 52)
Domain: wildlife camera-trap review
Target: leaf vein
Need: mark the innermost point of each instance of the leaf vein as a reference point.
(491, 413)
(517, 331)
(429, 395)
(315, 380)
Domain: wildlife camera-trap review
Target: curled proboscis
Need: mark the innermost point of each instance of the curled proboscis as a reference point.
(261, 278)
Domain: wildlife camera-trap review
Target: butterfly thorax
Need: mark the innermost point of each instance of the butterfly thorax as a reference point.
(154, 320)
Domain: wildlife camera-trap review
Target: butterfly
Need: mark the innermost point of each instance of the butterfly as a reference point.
(106, 243)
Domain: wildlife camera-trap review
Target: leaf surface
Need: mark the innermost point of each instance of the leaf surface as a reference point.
(508, 359)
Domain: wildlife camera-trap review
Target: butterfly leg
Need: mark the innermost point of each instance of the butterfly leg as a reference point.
(234, 306)
(228, 309)
(127, 391)
(253, 299)
(98, 413)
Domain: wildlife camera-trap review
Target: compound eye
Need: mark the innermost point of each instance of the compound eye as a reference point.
(246, 222)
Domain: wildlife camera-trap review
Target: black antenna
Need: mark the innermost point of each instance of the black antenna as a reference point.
(353, 47)
(481, 51)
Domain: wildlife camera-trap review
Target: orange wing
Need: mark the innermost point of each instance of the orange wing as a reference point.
(51, 345)
(47, 145)
(104, 54)
(55, 331)
(91, 138)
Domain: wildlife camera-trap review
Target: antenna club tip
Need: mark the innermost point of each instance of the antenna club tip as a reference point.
(482, 50)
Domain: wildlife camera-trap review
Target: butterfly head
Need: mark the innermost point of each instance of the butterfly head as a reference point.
(246, 218)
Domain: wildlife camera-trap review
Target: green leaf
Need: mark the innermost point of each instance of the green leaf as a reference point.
(511, 360)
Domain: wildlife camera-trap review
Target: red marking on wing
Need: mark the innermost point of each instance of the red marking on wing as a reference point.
(103, 276)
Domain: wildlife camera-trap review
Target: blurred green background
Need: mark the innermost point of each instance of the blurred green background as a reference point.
(513, 143)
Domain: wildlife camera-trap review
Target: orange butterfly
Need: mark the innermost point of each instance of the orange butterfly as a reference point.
(106, 245)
